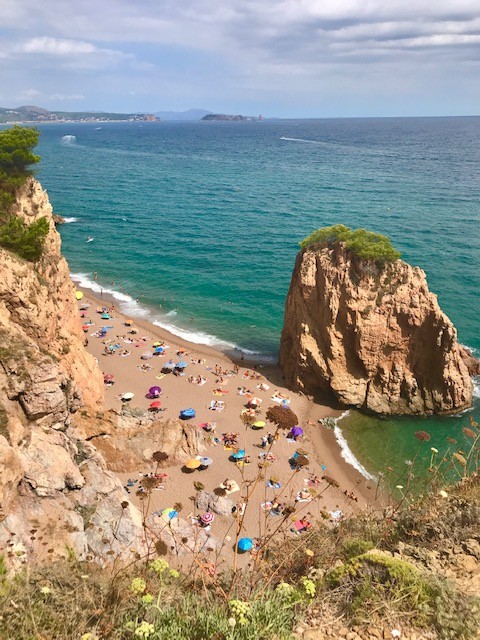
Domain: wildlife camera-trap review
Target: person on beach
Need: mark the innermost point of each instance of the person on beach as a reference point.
(264, 442)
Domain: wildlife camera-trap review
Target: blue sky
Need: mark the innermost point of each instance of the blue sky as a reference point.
(284, 58)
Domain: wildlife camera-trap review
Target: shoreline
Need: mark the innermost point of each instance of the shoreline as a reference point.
(309, 412)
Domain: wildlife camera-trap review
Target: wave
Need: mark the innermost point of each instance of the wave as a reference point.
(345, 451)
(131, 307)
(476, 387)
(69, 220)
(69, 140)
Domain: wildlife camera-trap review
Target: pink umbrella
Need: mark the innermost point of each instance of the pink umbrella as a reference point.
(207, 517)
(155, 405)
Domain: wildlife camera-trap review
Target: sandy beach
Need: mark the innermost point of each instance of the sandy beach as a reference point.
(232, 384)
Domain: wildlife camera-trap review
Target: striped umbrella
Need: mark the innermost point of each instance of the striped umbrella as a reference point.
(207, 517)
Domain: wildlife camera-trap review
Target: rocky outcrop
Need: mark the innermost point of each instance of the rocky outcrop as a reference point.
(128, 439)
(57, 495)
(370, 336)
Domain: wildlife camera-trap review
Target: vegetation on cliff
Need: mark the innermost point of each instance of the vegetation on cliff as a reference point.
(16, 160)
(365, 244)
(411, 566)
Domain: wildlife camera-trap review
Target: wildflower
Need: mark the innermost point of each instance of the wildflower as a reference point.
(138, 586)
(408, 463)
(144, 630)
(443, 493)
(85, 576)
(240, 610)
(159, 566)
(174, 573)
(395, 633)
(460, 458)
(284, 589)
(45, 591)
(399, 486)
(309, 553)
(469, 433)
(433, 450)
(452, 440)
(309, 586)
(147, 599)
(88, 636)
(423, 436)
(232, 622)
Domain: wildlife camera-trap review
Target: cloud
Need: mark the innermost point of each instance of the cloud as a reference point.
(28, 94)
(61, 97)
(59, 47)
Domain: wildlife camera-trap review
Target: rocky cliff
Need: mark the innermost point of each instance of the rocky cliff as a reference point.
(56, 492)
(371, 336)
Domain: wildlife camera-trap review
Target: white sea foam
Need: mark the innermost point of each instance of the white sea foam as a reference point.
(70, 220)
(301, 140)
(346, 452)
(69, 140)
(130, 307)
(476, 387)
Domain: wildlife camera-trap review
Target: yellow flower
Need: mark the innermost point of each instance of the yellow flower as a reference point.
(45, 591)
(399, 486)
(174, 573)
(309, 553)
(443, 493)
(433, 450)
(138, 586)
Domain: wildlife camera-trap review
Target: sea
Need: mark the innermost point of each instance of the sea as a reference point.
(196, 226)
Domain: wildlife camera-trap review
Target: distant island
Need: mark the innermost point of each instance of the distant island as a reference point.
(38, 114)
(221, 117)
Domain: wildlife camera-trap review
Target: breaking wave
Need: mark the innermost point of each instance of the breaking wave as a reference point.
(346, 453)
(70, 220)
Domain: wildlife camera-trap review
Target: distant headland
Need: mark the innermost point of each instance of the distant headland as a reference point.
(222, 117)
(38, 114)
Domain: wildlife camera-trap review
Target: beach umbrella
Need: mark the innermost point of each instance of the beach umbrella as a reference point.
(128, 322)
(79, 295)
(146, 355)
(296, 431)
(193, 463)
(259, 424)
(245, 544)
(206, 462)
(127, 396)
(109, 377)
(255, 401)
(85, 327)
(155, 391)
(238, 455)
(157, 344)
(158, 350)
(301, 461)
(155, 405)
(207, 517)
(169, 365)
(105, 316)
(169, 513)
(187, 414)
(181, 365)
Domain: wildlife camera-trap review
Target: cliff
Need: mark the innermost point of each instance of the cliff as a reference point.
(55, 489)
(371, 336)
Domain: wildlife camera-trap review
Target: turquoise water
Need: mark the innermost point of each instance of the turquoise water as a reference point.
(200, 223)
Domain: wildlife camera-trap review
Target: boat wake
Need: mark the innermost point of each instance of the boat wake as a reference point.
(346, 453)
(301, 140)
(69, 140)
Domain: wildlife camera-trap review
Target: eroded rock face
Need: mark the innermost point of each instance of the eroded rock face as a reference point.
(372, 337)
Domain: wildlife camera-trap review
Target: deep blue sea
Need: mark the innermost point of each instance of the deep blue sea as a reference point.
(198, 224)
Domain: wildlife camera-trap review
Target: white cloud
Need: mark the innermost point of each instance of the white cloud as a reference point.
(61, 97)
(28, 94)
(59, 47)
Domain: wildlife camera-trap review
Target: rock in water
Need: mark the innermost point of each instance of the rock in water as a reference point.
(371, 335)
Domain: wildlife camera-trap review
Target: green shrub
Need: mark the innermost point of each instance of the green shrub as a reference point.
(16, 158)
(365, 244)
(25, 240)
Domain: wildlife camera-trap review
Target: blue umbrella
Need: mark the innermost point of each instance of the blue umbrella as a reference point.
(245, 544)
(238, 455)
(169, 365)
(206, 462)
(181, 365)
(159, 350)
(187, 413)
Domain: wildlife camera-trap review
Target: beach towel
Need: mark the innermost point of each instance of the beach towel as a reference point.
(280, 400)
(266, 506)
(233, 487)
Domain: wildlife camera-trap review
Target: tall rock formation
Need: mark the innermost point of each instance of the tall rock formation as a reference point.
(371, 336)
(56, 492)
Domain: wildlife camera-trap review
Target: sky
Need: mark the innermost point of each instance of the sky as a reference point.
(280, 58)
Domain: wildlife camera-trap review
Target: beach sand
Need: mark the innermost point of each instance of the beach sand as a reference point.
(178, 394)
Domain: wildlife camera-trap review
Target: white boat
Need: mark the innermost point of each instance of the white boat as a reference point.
(90, 239)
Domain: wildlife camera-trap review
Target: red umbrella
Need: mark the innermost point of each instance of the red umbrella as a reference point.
(155, 405)
(109, 377)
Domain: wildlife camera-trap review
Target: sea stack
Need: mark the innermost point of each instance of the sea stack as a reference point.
(361, 326)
